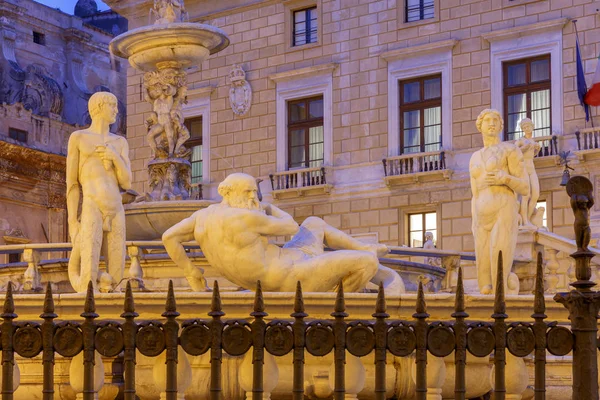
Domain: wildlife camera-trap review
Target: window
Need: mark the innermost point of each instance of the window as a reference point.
(305, 26)
(14, 258)
(305, 133)
(545, 217)
(17, 134)
(417, 10)
(194, 125)
(418, 225)
(421, 114)
(527, 95)
(39, 38)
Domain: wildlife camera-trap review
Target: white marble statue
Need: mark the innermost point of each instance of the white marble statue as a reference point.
(168, 11)
(97, 168)
(529, 147)
(434, 261)
(497, 177)
(233, 237)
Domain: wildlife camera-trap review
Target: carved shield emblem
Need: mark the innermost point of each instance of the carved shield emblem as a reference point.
(240, 92)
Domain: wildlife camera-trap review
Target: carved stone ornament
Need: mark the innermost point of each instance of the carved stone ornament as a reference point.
(150, 340)
(520, 341)
(401, 341)
(560, 341)
(240, 92)
(195, 339)
(360, 340)
(319, 339)
(109, 340)
(480, 341)
(279, 339)
(441, 341)
(68, 340)
(28, 340)
(236, 339)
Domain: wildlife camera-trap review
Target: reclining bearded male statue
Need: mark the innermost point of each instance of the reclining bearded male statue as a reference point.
(233, 237)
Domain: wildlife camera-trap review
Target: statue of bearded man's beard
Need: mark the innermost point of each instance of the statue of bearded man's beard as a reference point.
(245, 203)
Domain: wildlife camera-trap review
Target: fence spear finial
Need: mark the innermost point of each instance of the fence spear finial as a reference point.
(259, 302)
(539, 304)
(298, 299)
(171, 305)
(340, 303)
(380, 306)
(459, 301)
(48, 303)
(89, 309)
(129, 305)
(9, 303)
(216, 308)
(499, 301)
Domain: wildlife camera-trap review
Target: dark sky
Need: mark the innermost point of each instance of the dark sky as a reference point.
(68, 6)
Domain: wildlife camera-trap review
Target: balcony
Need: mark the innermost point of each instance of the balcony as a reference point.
(416, 167)
(299, 182)
(548, 154)
(588, 144)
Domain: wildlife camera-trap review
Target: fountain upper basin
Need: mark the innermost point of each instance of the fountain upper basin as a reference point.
(174, 45)
(149, 220)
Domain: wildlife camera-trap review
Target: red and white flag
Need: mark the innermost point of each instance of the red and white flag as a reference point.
(592, 96)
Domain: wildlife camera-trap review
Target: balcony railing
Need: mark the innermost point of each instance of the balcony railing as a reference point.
(414, 163)
(305, 178)
(549, 146)
(588, 139)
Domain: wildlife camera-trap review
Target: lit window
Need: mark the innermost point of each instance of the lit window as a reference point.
(417, 10)
(17, 134)
(527, 95)
(418, 225)
(421, 114)
(39, 38)
(305, 133)
(305, 26)
(545, 217)
(194, 143)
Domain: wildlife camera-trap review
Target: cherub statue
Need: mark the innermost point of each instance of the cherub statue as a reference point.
(529, 147)
(168, 11)
(155, 131)
(580, 190)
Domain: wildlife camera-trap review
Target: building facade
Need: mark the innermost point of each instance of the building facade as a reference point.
(384, 96)
(50, 64)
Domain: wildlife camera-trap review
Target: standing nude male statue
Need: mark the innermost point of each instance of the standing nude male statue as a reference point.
(529, 147)
(497, 177)
(98, 166)
(233, 237)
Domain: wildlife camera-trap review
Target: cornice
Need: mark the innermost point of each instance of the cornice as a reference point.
(413, 51)
(526, 30)
(306, 72)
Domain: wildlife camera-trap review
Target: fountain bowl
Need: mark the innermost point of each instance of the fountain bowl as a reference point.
(149, 220)
(174, 45)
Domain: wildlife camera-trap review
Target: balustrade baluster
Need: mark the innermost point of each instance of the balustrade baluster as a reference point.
(596, 134)
(299, 329)
(258, 343)
(442, 160)
(384, 161)
(8, 354)
(460, 332)
(380, 329)
(89, 332)
(323, 180)
(271, 178)
(539, 330)
(171, 328)
(216, 350)
(499, 328)
(578, 137)
(421, 328)
(304, 183)
(129, 331)
(47, 344)
(339, 331)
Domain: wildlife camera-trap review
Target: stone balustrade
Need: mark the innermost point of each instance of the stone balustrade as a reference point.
(549, 146)
(415, 167)
(588, 139)
(299, 181)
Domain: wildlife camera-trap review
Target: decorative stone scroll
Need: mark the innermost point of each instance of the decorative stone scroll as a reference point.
(240, 93)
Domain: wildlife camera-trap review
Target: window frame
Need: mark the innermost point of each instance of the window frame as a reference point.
(290, 6)
(420, 105)
(305, 124)
(402, 11)
(17, 134)
(424, 230)
(421, 11)
(308, 22)
(193, 142)
(39, 38)
(526, 88)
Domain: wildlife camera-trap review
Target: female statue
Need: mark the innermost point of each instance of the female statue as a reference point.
(529, 147)
(497, 177)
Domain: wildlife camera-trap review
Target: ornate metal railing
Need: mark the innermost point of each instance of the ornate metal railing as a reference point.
(588, 139)
(300, 178)
(549, 146)
(414, 163)
(298, 335)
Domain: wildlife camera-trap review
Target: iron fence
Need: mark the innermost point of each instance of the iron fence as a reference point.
(298, 335)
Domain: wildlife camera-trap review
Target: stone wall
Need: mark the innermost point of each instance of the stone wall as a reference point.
(354, 36)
